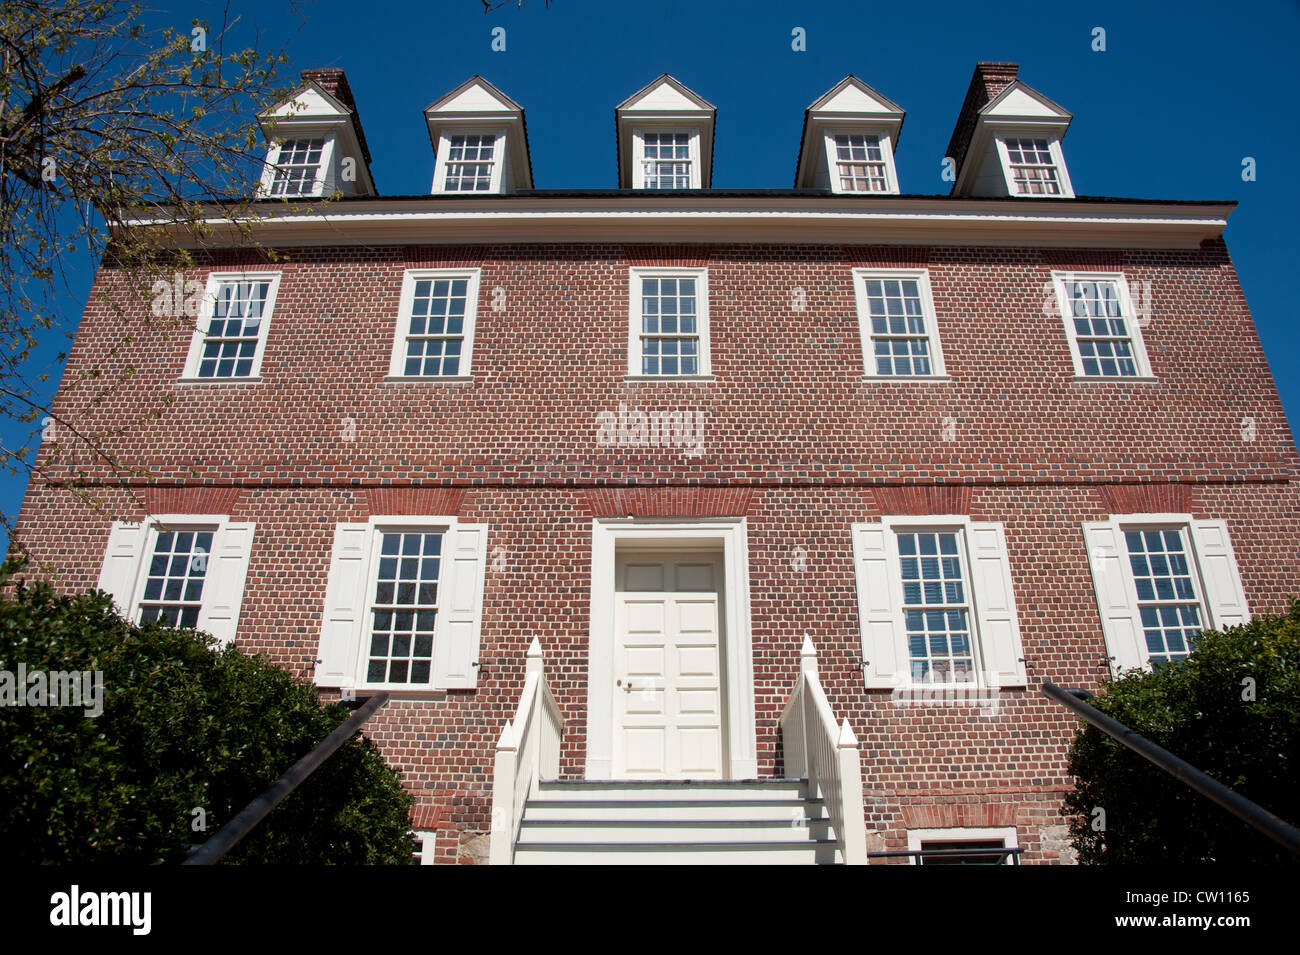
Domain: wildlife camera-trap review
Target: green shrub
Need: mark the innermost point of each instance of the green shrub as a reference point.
(184, 726)
(1200, 710)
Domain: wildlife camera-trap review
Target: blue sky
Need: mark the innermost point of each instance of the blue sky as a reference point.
(1182, 93)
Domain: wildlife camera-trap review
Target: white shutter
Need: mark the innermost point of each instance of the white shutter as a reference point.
(1116, 599)
(345, 604)
(884, 642)
(121, 568)
(455, 646)
(995, 606)
(1219, 576)
(223, 588)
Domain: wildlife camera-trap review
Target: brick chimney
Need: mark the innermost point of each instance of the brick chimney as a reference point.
(335, 82)
(989, 80)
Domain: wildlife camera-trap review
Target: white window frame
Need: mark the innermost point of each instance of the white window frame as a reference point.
(347, 620)
(135, 541)
(380, 526)
(1058, 161)
(194, 357)
(322, 171)
(891, 526)
(444, 149)
(1065, 307)
(397, 362)
(639, 158)
(860, 277)
(887, 158)
(1008, 835)
(428, 840)
(634, 355)
(1120, 524)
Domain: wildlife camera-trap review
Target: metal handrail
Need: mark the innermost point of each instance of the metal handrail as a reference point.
(229, 835)
(1254, 815)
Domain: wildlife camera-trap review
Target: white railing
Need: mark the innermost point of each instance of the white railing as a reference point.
(827, 755)
(527, 752)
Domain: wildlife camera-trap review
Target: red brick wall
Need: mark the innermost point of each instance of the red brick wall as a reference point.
(794, 440)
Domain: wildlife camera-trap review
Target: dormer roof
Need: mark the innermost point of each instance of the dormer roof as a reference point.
(476, 103)
(998, 101)
(848, 104)
(323, 102)
(664, 102)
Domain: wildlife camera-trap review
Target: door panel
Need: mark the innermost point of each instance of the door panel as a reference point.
(668, 701)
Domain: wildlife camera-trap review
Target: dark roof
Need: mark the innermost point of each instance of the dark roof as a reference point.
(765, 194)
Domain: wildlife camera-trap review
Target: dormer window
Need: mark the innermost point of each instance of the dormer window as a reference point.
(850, 132)
(668, 159)
(297, 168)
(480, 143)
(472, 162)
(859, 160)
(1032, 167)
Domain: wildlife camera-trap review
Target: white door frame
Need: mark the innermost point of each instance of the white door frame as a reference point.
(737, 649)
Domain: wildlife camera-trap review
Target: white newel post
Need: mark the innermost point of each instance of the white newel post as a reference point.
(854, 836)
(808, 713)
(501, 848)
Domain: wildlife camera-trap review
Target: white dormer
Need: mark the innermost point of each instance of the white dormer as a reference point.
(665, 138)
(480, 142)
(1015, 148)
(849, 138)
(315, 147)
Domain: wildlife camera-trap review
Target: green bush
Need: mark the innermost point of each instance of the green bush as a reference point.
(1201, 711)
(184, 726)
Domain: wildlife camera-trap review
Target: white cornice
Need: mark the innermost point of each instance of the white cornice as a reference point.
(741, 219)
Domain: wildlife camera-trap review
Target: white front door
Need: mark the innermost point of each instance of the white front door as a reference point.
(668, 692)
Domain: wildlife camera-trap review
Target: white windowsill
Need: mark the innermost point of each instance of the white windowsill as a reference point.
(1117, 379)
(901, 379)
(640, 378)
(256, 380)
(431, 379)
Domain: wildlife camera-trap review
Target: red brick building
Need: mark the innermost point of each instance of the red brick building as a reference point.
(961, 444)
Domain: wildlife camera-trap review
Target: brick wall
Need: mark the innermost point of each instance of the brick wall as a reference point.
(794, 440)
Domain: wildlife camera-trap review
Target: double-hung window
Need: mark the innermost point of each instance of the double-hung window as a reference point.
(230, 335)
(470, 162)
(896, 320)
(668, 323)
(403, 604)
(435, 329)
(859, 163)
(1032, 167)
(1100, 323)
(1161, 579)
(936, 604)
(667, 159)
(297, 168)
(187, 570)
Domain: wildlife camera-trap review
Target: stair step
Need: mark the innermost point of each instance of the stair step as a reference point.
(546, 807)
(800, 852)
(650, 789)
(604, 831)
